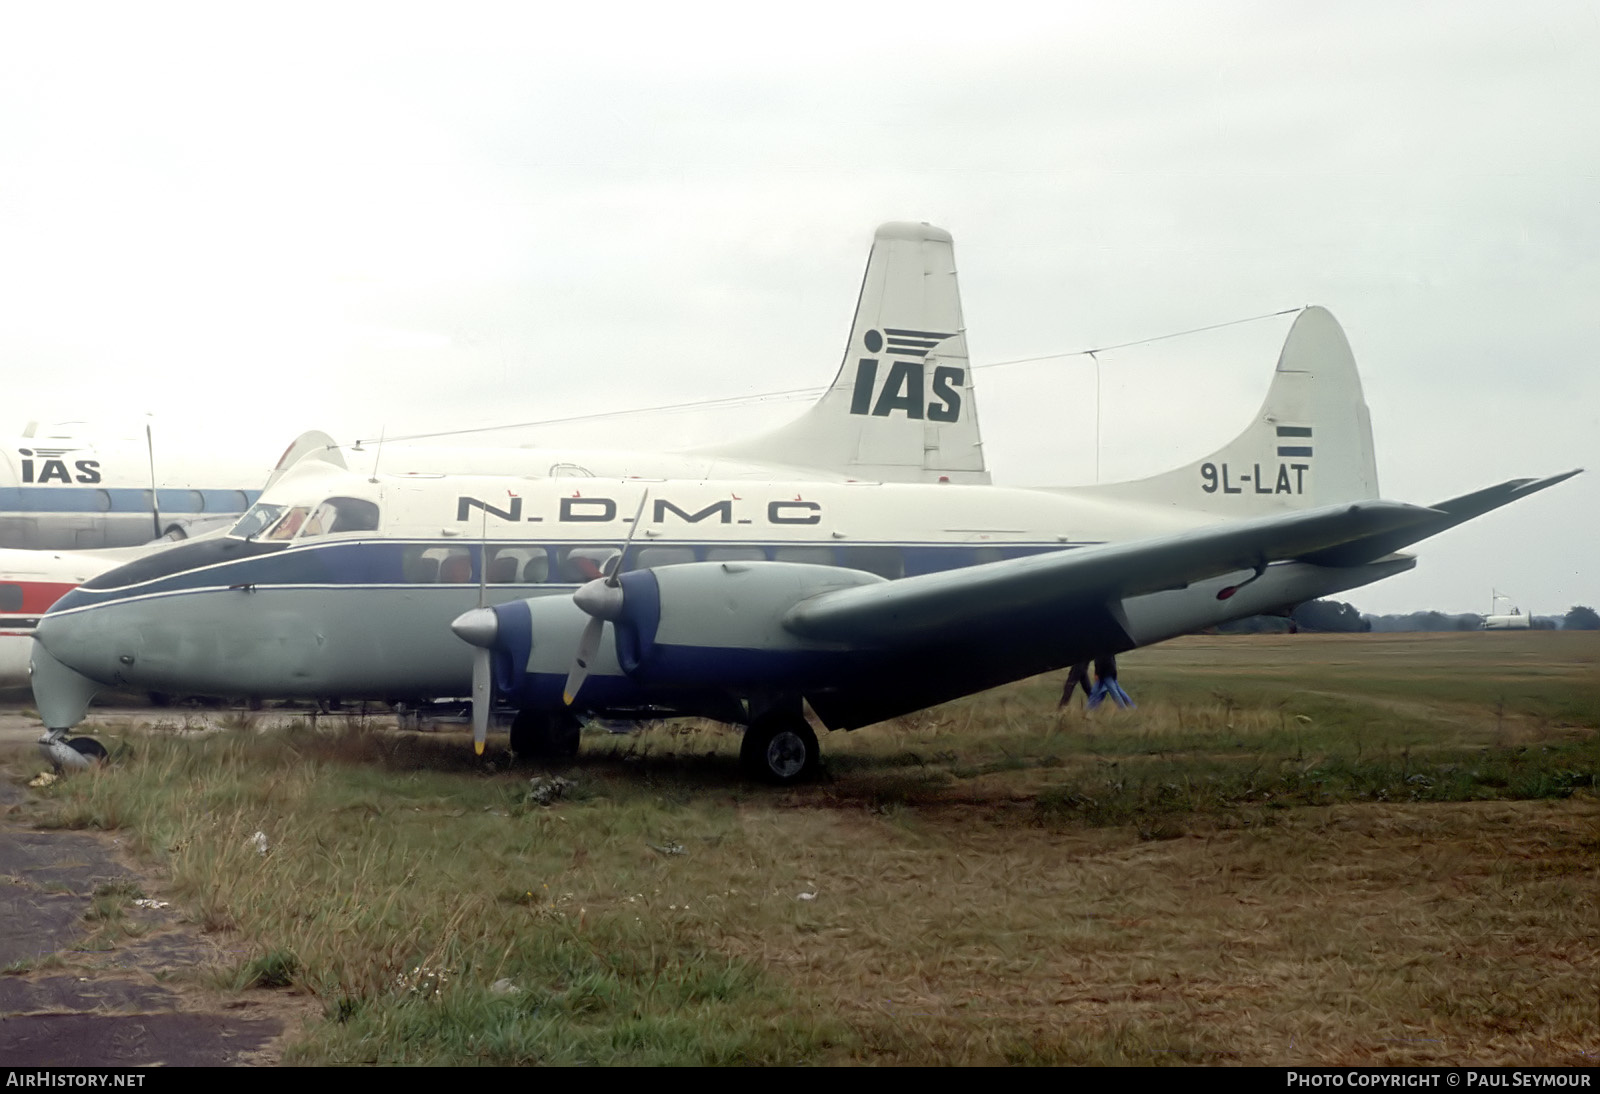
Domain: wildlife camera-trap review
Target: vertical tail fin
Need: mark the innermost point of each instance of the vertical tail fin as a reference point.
(901, 408)
(1309, 445)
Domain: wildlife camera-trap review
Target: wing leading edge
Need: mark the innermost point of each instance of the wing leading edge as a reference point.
(927, 639)
(1448, 514)
(920, 610)
(948, 605)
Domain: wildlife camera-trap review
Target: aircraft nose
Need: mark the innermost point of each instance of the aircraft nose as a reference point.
(68, 640)
(84, 644)
(480, 626)
(48, 632)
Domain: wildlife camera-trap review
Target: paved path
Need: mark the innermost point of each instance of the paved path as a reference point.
(73, 997)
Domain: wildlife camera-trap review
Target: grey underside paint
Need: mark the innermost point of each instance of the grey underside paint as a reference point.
(294, 642)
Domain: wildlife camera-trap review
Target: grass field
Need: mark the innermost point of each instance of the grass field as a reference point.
(1298, 849)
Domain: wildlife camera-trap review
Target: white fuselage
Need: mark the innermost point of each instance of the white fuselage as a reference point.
(366, 612)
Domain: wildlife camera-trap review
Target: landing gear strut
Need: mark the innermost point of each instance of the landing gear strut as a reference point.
(545, 735)
(781, 749)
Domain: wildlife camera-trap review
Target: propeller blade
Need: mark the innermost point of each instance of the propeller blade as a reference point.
(614, 578)
(600, 599)
(588, 646)
(479, 627)
(155, 494)
(482, 685)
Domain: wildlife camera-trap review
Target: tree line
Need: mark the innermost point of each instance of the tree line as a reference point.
(1334, 616)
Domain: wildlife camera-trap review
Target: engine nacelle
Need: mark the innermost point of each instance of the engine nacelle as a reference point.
(720, 625)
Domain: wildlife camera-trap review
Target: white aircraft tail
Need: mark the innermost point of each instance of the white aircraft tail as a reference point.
(901, 408)
(1309, 445)
(310, 445)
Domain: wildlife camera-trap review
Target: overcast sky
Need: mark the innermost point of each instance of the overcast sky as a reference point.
(252, 220)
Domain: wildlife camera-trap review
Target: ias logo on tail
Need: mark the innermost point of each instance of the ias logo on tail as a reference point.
(906, 385)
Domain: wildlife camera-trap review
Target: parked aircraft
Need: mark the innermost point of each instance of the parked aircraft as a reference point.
(1497, 621)
(901, 411)
(32, 579)
(77, 487)
(745, 600)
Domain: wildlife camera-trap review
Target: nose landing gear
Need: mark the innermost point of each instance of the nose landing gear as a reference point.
(71, 753)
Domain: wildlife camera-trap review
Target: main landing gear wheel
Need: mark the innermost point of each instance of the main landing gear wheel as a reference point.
(782, 751)
(89, 748)
(540, 735)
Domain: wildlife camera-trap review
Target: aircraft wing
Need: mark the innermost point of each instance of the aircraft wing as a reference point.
(954, 604)
(1445, 514)
(861, 649)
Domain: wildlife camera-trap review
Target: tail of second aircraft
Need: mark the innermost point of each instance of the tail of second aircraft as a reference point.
(901, 408)
(1310, 444)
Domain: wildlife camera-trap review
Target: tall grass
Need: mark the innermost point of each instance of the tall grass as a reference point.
(1288, 866)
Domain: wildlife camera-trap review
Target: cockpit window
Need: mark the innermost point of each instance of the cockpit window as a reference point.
(341, 515)
(257, 519)
(290, 523)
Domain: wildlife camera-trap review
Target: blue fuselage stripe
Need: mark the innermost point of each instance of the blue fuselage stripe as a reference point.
(94, 499)
(204, 565)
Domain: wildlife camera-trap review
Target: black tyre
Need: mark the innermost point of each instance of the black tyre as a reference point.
(541, 735)
(89, 748)
(782, 751)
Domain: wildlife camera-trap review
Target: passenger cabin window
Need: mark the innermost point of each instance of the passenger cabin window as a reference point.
(579, 565)
(519, 566)
(10, 598)
(651, 557)
(883, 561)
(437, 565)
(735, 554)
(817, 556)
(421, 565)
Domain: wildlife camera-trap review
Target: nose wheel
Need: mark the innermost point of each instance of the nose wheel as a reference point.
(72, 753)
(780, 750)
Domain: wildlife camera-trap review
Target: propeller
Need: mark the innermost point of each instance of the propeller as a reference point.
(482, 666)
(155, 495)
(601, 599)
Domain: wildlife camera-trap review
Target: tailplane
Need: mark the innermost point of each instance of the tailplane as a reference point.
(901, 408)
(1309, 445)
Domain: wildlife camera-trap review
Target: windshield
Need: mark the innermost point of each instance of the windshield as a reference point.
(257, 519)
(290, 524)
